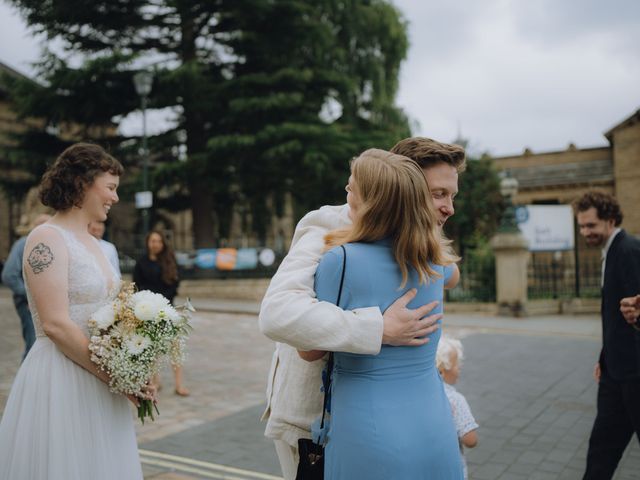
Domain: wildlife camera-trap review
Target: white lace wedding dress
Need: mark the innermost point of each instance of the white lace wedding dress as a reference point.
(60, 422)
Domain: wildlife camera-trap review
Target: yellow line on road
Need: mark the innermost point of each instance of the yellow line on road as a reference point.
(174, 467)
(207, 469)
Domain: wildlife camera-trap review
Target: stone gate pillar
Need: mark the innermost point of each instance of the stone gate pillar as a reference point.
(512, 256)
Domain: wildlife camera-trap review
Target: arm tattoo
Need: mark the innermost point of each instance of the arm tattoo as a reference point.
(40, 258)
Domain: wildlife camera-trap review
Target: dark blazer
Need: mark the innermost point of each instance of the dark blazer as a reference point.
(620, 354)
(147, 274)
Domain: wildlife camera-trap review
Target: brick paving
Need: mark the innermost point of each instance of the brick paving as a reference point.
(528, 383)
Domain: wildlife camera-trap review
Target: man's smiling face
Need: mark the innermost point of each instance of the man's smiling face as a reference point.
(443, 184)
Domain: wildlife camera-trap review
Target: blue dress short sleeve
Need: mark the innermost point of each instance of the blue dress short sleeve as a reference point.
(328, 275)
(390, 417)
(448, 271)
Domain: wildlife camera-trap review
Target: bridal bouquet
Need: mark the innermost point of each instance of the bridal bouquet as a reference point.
(130, 336)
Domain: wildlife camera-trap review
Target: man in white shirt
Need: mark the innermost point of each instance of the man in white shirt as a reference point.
(292, 316)
(109, 249)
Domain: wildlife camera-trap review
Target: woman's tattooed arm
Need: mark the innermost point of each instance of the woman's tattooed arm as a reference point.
(40, 258)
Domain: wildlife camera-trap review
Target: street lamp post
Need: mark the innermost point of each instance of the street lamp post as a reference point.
(512, 256)
(144, 200)
(508, 189)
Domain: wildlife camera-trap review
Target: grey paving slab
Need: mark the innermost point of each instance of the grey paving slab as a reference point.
(534, 399)
(527, 381)
(529, 429)
(551, 467)
(236, 440)
(513, 476)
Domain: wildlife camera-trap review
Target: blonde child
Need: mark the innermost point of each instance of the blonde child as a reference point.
(449, 360)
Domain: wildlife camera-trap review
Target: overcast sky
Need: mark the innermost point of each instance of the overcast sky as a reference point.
(506, 74)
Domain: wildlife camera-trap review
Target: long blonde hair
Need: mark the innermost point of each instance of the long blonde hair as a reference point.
(396, 204)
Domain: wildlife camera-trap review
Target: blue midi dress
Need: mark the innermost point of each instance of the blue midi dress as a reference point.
(390, 417)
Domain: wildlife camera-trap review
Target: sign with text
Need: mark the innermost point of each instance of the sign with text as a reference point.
(547, 228)
(144, 199)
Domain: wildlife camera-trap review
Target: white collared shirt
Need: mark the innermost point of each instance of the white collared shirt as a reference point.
(605, 250)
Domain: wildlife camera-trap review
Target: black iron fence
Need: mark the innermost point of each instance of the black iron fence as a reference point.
(477, 281)
(559, 278)
(548, 278)
(188, 270)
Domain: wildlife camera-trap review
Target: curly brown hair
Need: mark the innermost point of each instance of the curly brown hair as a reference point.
(605, 204)
(427, 152)
(63, 185)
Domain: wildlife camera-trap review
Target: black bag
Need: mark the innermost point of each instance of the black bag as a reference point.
(311, 464)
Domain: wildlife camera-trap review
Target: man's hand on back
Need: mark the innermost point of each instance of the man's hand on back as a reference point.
(404, 326)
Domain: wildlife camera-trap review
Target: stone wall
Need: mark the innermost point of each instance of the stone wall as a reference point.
(9, 214)
(626, 153)
(564, 175)
(570, 155)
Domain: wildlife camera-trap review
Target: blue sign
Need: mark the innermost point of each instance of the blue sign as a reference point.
(206, 258)
(247, 259)
(522, 214)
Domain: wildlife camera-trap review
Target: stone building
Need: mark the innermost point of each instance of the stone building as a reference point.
(125, 221)
(544, 178)
(11, 211)
(16, 215)
(559, 177)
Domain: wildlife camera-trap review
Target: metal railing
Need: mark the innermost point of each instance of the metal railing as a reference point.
(558, 279)
(192, 272)
(477, 281)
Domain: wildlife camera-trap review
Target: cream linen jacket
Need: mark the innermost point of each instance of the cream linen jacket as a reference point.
(292, 316)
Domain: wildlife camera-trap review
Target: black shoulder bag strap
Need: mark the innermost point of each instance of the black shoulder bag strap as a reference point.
(327, 380)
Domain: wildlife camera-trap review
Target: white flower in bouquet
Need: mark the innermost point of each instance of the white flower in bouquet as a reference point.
(104, 317)
(148, 305)
(172, 314)
(120, 330)
(130, 337)
(136, 344)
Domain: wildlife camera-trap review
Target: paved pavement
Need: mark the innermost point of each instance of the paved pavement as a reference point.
(528, 382)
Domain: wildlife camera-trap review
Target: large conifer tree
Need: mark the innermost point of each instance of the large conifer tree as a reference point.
(250, 82)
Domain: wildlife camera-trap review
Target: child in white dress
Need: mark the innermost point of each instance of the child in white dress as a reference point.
(448, 361)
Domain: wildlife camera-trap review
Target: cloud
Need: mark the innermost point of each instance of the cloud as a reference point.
(508, 83)
(440, 29)
(509, 74)
(614, 23)
(18, 47)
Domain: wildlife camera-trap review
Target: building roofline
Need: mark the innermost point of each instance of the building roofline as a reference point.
(12, 71)
(630, 120)
(528, 152)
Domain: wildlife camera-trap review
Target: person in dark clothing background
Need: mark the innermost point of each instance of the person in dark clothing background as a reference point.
(157, 271)
(618, 368)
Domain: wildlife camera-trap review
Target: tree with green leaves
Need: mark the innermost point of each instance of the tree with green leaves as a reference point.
(277, 130)
(478, 207)
(249, 83)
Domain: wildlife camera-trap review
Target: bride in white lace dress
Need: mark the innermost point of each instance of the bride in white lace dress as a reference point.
(61, 422)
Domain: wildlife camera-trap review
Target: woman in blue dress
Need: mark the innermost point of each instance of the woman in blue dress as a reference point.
(390, 417)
